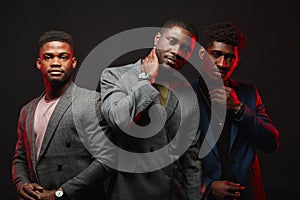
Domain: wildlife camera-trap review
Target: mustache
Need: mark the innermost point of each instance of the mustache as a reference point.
(178, 60)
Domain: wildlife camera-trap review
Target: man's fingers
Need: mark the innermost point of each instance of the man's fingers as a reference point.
(232, 184)
(234, 189)
(235, 185)
(37, 187)
(153, 52)
(24, 195)
(233, 193)
(150, 64)
(218, 89)
(218, 97)
(29, 190)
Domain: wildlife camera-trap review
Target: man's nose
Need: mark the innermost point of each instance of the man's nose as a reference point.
(55, 62)
(176, 50)
(221, 62)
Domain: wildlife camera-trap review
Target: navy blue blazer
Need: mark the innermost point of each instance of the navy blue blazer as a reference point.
(253, 130)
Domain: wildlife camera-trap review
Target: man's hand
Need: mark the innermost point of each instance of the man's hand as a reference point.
(150, 64)
(47, 195)
(226, 95)
(221, 189)
(31, 191)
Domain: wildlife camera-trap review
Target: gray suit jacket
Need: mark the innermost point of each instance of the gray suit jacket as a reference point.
(126, 103)
(64, 161)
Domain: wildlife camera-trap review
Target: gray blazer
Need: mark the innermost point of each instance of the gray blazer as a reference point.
(126, 102)
(63, 160)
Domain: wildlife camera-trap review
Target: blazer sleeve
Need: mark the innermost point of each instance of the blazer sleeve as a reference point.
(123, 95)
(258, 125)
(91, 175)
(20, 165)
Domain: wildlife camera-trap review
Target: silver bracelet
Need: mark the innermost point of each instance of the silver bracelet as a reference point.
(239, 108)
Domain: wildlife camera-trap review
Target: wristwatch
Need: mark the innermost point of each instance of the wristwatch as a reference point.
(145, 76)
(59, 193)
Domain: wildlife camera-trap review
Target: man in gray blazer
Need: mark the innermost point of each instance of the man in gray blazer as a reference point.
(50, 160)
(147, 112)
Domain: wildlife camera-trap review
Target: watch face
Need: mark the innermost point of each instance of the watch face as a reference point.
(145, 76)
(59, 193)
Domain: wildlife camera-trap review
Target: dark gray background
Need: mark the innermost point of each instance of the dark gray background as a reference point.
(269, 61)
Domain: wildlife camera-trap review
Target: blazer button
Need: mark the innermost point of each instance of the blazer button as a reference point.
(149, 100)
(68, 143)
(59, 167)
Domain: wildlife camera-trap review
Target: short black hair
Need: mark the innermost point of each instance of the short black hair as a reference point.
(55, 35)
(225, 32)
(183, 23)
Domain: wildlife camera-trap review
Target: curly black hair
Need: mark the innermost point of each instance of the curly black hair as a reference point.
(54, 35)
(225, 32)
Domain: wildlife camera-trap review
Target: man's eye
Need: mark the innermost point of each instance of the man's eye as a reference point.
(216, 54)
(186, 50)
(172, 41)
(230, 58)
(47, 57)
(64, 57)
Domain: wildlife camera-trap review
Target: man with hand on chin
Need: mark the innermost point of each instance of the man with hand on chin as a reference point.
(231, 169)
(128, 92)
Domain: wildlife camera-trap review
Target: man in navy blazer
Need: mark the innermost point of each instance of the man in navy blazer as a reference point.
(51, 161)
(231, 169)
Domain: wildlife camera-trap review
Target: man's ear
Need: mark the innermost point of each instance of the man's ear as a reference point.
(238, 60)
(201, 53)
(156, 38)
(74, 62)
(38, 63)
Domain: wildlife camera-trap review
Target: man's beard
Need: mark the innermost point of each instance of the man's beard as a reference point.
(59, 82)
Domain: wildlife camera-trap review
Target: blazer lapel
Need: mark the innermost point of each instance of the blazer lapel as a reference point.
(171, 105)
(209, 138)
(234, 130)
(59, 111)
(209, 144)
(234, 127)
(30, 130)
